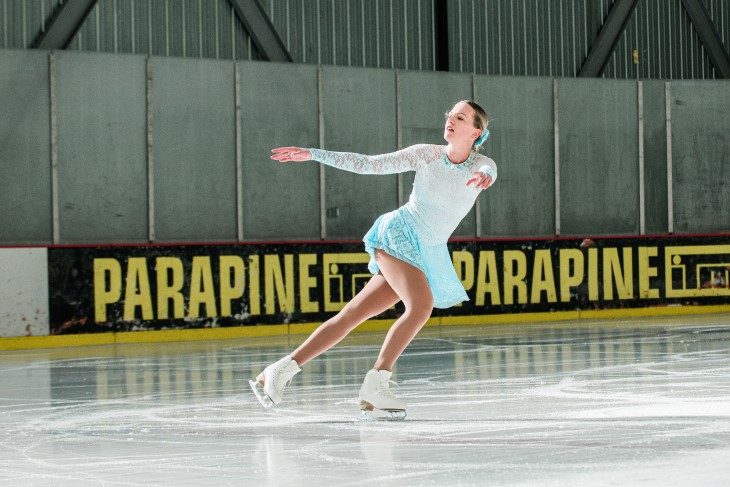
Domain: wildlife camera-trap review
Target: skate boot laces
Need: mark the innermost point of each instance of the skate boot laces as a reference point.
(384, 389)
(282, 378)
(270, 383)
(282, 375)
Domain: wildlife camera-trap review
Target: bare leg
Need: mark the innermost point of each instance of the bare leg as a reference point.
(411, 286)
(376, 297)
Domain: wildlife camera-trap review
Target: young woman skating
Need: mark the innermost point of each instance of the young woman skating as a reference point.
(409, 258)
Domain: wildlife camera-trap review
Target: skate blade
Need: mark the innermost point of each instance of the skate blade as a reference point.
(383, 415)
(368, 412)
(258, 390)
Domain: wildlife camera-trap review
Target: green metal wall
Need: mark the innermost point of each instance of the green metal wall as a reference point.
(269, 120)
(101, 148)
(700, 156)
(194, 150)
(358, 116)
(599, 157)
(25, 149)
(522, 112)
(102, 167)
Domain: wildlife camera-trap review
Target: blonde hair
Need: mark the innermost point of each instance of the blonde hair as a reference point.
(481, 120)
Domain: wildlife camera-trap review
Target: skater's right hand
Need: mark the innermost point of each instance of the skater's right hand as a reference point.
(287, 154)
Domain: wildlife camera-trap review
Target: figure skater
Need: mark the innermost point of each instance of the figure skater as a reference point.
(409, 259)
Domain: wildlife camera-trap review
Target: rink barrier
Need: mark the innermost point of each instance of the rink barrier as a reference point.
(86, 295)
(232, 333)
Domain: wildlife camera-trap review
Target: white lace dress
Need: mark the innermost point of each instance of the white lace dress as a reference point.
(418, 231)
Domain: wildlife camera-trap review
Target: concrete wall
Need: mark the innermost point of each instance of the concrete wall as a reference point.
(98, 148)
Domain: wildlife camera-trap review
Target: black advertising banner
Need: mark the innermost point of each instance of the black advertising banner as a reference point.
(127, 288)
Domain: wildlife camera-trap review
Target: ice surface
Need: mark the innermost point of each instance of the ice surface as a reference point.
(639, 402)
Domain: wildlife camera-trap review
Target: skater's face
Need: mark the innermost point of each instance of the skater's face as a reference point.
(461, 126)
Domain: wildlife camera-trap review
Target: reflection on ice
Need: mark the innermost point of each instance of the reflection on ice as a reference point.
(595, 403)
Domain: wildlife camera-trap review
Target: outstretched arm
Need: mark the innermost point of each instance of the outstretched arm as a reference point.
(409, 159)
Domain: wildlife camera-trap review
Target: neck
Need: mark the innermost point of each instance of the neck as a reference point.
(458, 153)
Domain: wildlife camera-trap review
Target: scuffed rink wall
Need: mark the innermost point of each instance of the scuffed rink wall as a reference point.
(81, 290)
(24, 292)
(147, 288)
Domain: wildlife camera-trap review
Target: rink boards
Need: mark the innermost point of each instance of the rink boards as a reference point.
(100, 294)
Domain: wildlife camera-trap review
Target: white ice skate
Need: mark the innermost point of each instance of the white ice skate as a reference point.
(377, 401)
(270, 384)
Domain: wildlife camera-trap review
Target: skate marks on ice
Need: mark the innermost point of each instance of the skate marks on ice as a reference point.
(599, 408)
(156, 439)
(619, 404)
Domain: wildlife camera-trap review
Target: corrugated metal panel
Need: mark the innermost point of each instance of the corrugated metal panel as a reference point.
(183, 28)
(373, 33)
(497, 37)
(380, 33)
(720, 14)
(667, 45)
(522, 37)
(22, 21)
(553, 38)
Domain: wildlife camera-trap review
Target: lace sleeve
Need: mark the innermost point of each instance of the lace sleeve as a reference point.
(408, 159)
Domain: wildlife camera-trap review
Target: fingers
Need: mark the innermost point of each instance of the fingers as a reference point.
(279, 150)
(283, 154)
(487, 182)
(286, 154)
(480, 181)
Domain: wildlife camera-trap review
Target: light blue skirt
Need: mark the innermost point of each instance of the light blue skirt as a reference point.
(395, 234)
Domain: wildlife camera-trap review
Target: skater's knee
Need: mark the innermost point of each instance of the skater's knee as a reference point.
(419, 310)
(419, 305)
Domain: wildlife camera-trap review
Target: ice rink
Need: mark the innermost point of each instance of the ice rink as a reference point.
(592, 403)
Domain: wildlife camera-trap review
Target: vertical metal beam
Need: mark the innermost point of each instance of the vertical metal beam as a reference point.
(441, 34)
(607, 39)
(322, 189)
(709, 36)
(670, 177)
(262, 31)
(556, 150)
(239, 156)
(54, 148)
(642, 203)
(150, 153)
(66, 22)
